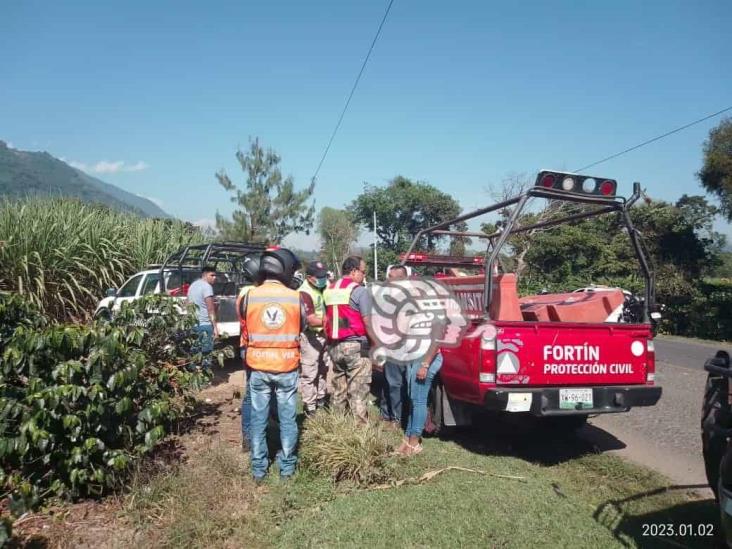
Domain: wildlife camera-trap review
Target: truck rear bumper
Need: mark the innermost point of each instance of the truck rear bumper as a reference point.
(545, 401)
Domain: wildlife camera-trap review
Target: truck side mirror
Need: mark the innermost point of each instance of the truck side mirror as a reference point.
(111, 292)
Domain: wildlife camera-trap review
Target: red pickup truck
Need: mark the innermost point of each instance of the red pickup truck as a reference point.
(561, 355)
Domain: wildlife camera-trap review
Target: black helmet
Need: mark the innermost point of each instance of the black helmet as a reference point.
(297, 280)
(279, 264)
(251, 266)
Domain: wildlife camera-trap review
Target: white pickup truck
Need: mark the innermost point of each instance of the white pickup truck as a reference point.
(182, 268)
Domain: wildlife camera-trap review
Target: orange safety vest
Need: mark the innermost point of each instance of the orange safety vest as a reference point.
(273, 328)
(241, 314)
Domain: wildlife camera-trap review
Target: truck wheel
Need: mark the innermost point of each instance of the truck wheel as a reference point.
(434, 408)
(715, 417)
(103, 314)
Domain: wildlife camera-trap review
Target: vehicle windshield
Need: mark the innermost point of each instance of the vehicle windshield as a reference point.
(150, 284)
(130, 287)
(176, 279)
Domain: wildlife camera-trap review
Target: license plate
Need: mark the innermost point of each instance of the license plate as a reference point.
(575, 399)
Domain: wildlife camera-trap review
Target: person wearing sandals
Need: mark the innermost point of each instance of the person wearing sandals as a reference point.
(420, 374)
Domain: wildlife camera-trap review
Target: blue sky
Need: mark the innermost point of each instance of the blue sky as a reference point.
(458, 95)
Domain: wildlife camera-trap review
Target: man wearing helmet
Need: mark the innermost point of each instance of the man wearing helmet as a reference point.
(274, 318)
(315, 361)
(254, 279)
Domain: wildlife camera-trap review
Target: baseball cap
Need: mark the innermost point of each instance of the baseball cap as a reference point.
(317, 269)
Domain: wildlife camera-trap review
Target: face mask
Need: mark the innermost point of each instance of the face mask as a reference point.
(321, 282)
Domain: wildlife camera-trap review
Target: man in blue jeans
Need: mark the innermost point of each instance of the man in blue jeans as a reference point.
(394, 383)
(250, 268)
(274, 317)
(393, 393)
(284, 388)
(200, 294)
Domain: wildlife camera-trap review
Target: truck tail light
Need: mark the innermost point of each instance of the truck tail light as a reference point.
(651, 364)
(487, 343)
(487, 372)
(575, 183)
(547, 181)
(607, 188)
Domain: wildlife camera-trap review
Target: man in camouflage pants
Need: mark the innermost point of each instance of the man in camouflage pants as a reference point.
(347, 308)
(351, 379)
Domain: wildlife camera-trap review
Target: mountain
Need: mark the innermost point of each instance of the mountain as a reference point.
(25, 173)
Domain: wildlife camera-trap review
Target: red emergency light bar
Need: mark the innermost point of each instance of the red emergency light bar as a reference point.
(582, 184)
(453, 260)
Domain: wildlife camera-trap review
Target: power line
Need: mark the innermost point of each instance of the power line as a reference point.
(652, 140)
(353, 90)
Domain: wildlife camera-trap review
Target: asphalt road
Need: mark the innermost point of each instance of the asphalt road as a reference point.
(687, 353)
(665, 437)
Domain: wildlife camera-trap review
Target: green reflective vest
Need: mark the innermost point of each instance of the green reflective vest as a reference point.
(317, 297)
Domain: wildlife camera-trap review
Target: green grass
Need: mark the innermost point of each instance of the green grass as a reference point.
(574, 504)
(203, 503)
(336, 446)
(568, 498)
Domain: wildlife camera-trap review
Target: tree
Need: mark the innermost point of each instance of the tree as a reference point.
(268, 208)
(403, 208)
(338, 231)
(716, 172)
(458, 245)
(519, 245)
(680, 235)
(724, 269)
(680, 246)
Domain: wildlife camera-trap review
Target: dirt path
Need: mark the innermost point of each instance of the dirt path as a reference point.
(224, 395)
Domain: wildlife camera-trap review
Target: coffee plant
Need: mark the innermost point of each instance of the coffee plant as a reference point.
(79, 403)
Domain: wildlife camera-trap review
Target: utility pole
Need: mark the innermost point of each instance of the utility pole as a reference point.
(376, 258)
(376, 239)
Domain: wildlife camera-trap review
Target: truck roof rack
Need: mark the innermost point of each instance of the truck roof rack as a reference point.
(212, 253)
(432, 260)
(226, 256)
(557, 187)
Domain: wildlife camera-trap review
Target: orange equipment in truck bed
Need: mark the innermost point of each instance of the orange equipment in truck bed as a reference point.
(585, 307)
(574, 307)
(505, 302)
